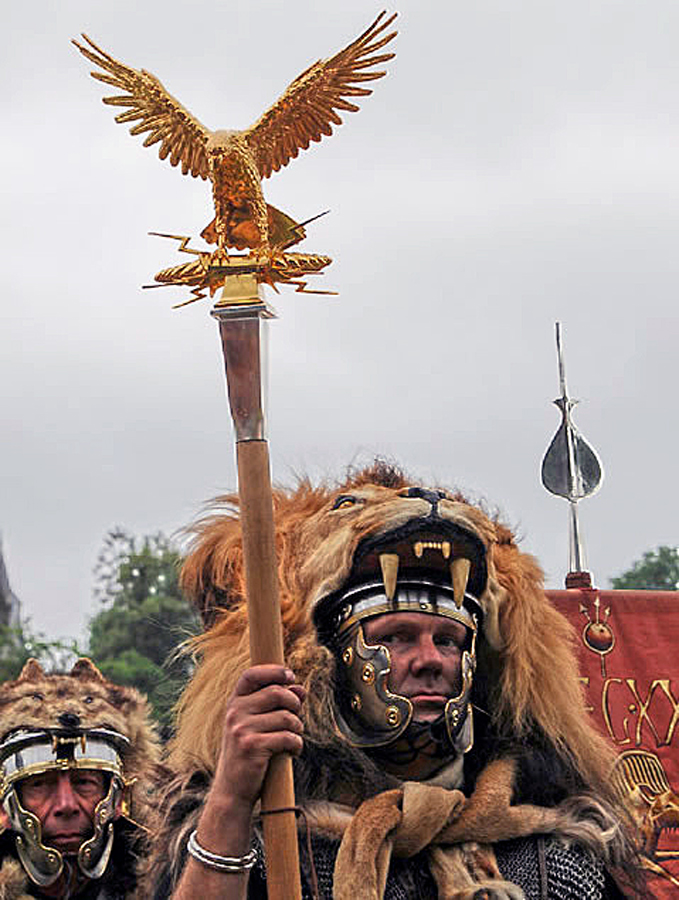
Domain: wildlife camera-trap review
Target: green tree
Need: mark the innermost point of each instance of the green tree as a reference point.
(657, 570)
(133, 639)
(19, 644)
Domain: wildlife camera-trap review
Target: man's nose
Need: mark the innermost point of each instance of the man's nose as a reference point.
(427, 656)
(65, 800)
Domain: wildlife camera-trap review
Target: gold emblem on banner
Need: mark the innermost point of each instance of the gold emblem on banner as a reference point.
(597, 635)
(641, 779)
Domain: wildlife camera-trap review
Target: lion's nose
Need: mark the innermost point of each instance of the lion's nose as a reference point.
(69, 720)
(432, 497)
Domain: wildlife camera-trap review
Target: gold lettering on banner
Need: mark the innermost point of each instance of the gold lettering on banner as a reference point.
(585, 682)
(639, 706)
(674, 721)
(643, 711)
(605, 709)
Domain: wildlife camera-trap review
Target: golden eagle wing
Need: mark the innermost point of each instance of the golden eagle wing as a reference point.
(308, 108)
(154, 110)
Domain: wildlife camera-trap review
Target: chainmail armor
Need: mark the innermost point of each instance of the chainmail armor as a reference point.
(572, 873)
(407, 879)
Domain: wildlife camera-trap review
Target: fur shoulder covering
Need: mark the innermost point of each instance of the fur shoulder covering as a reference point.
(13, 881)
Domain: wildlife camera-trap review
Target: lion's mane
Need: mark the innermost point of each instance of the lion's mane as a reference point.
(528, 689)
(530, 718)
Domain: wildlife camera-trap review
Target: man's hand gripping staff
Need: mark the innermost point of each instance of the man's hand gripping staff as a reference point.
(263, 721)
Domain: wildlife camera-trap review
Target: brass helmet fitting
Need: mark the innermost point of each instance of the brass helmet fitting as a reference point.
(368, 713)
(28, 752)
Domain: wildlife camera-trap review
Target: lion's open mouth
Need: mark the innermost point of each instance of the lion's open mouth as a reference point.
(418, 563)
(441, 552)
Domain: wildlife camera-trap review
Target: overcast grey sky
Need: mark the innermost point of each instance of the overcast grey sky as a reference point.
(518, 165)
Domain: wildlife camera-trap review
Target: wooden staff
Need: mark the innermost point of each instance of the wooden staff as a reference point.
(241, 313)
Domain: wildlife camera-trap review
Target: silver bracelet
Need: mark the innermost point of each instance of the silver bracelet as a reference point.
(220, 863)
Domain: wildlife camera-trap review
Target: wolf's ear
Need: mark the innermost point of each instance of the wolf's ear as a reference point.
(84, 668)
(32, 671)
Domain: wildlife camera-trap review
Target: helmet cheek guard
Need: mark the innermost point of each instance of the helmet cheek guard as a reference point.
(32, 752)
(458, 714)
(94, 854)
(43, 864)
(368, 714)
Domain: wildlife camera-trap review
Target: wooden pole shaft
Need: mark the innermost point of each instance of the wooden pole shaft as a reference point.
(266, 646)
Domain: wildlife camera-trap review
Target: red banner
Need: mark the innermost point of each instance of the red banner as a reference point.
(629, 652)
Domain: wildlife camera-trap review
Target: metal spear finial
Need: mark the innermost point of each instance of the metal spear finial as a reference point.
(571, 469)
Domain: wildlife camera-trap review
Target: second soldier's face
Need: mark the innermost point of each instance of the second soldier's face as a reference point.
(65, 802)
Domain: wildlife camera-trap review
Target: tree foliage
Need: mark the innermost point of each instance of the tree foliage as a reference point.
(18, 645)
(134, 637)
(657, 570)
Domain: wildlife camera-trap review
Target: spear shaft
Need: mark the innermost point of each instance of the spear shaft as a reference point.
(241, 314)
(574, 477)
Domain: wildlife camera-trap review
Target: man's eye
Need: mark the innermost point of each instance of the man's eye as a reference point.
(394, 637)
(86, 784)
(35, 790)
(36, 783)
(446, 642)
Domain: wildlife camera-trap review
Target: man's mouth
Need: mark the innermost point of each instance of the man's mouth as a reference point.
(428, 700)
(65, 841)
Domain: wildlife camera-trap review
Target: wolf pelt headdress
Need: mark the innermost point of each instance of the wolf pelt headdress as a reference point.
(535, 747)
(77, 719)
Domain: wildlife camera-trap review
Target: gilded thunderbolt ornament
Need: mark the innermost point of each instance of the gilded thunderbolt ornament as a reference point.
(236, 161)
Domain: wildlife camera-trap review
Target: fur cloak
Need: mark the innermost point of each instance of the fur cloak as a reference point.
(537, 765)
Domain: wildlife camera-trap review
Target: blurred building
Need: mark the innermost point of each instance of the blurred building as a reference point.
(10, 608)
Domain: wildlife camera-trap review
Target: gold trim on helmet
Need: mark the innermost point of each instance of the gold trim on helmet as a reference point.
(32, 752)
(369, 714)
(29, 752)
(410, 598)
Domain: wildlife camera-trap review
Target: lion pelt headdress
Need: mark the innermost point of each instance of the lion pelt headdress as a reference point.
(86, 699)
(526, 688)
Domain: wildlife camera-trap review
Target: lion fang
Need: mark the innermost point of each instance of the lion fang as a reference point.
(459, 571)
(389, 565)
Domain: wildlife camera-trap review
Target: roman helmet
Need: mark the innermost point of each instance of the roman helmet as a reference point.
(31, 751)
(395, 573)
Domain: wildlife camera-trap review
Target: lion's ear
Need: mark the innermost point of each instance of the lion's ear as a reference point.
(84, 668)
(32, 671)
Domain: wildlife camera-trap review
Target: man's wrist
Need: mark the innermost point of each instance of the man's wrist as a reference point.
(225, 825)
(218, 862)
